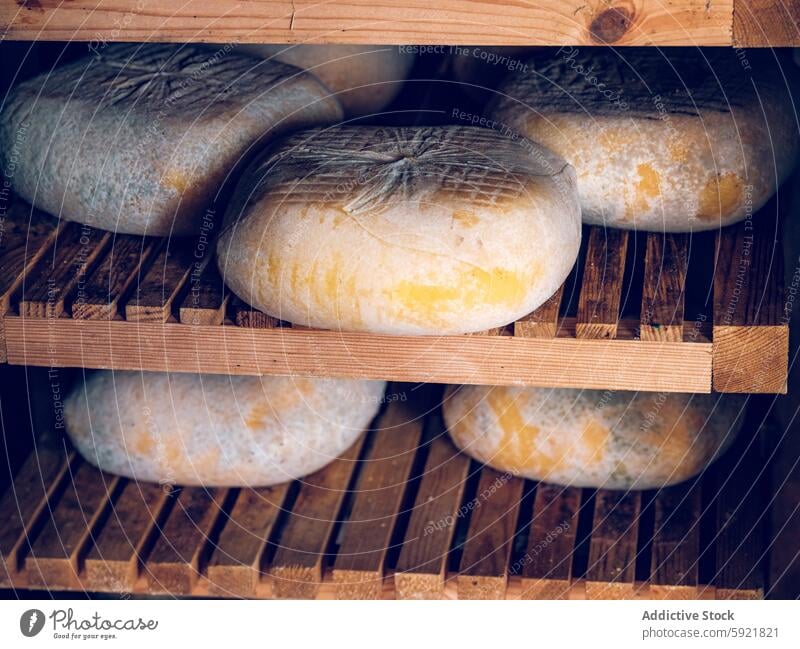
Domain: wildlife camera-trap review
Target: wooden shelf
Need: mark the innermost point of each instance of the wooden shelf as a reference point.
(538, 22)
(400, 515)
(636, 314)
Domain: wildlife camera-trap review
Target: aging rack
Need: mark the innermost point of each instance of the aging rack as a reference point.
(640, 312)
(400, 515)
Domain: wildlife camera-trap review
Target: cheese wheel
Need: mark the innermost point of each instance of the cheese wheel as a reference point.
(214, 430)
(665, 140)
(364, 78)
(439, 230)
(588, 438)
(140, 138)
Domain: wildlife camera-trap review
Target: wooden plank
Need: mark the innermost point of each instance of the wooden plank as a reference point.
(663, 292)
(297, 565)
(234, 569)
(207, 299)
(23, 504)
(762, 23)
(612, 547)
(175, 562)
(243, 315)
(547, 563)
(751, 334)
(675, 549)
(55, 556)
(542, 323)
(422, 565)
(503, 360)
(62, 271)
(114, 559)
(154, 296)
(601, 287)
(537, 22)
(483, 573)
(366, 535)
(111, 280)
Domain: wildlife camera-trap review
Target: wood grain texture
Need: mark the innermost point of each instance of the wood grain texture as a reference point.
(751, 333)
(177, 558)
(502, 360)
(382, 482)
(612, 548)
(675, 548)
(546, 566)
(483, 572)
(483, 22)
(115, 275)
(296, 568)
(243, 315)
(56, 554)
(601, 287)
(115, 557)
(542, 323)
(421, 567)
(762, 23)
(163, 281)
(206, 300)
(234, 569)
(663, 291)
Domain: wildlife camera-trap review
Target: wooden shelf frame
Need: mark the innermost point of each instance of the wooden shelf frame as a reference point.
(401, 514)
(740, 23)
(74, 297)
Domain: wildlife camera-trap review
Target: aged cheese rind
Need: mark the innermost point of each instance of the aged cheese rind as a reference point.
(140, 138)
(438, 230)
(674, 141)
(214, 430)
(364, 78)
(590, 438)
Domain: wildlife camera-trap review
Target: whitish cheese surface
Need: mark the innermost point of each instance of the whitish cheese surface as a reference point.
(672, 140)
(214, 430)
(589, 438)
(364, 78)
(439, 230)
(140, 138)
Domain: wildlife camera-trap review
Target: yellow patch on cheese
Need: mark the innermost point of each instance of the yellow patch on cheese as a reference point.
(465, 219)
(593, 441)
(720, 196)
(649, 181)
(175, 179)
(678, 151)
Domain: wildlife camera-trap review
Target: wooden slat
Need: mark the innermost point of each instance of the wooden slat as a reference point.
(234, 569)
(421, 568)
(23, 504)
(612, 548)
(546, 566)
(175, 562)
(675, 549)
(297, 565)
(760, 23)
(601, 286)
(113, 561)
(55, 556)
(483, 573)
(61, 270)
(751, 334)
(206, 300)
(538, 22)
(542, 323)
(155, 295)
(665, 265)
(119, 271)
(502, 360)
(382, 482)
(243, 315)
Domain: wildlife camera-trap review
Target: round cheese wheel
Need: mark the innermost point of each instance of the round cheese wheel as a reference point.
(140, 138)
(439, 230)
(215, 430)
(588, 438)
(364, 78)
(677, 140)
